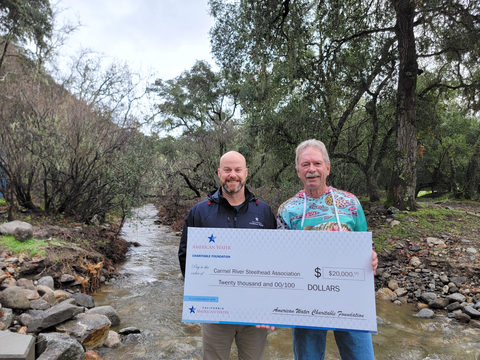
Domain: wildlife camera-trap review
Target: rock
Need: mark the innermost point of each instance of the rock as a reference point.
(25, 319)
(90, 330)
(108, 311)
(31, 294)
(50, 298)
(65, 278)
(9, 282)
(470, 311)
(84, 300)
(415, 248)
(438, 303)
(129, 330)
(23, 234)
(462, 317)
(11, 260)
(43, 289)
(471, 250)
(428, 296)
(394, 223)
(425, 314)
(7, 317)
(61, 295)
(400, 292)
(47, 281)
(458, 280)
(421, 306)
(39, 304)
(10, 227)
(59, 347)
(457, 297)
(454, 306)
(112, 340)
(393, 285)
(13, 297)
(385, 294)
(92, 355)
(25, 284)
(54, 316)
(415, 262)
(475, 323)
(393, 210)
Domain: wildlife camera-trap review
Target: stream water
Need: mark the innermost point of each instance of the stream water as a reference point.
(148, 295)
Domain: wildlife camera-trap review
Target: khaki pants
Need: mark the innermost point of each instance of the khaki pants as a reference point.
(218, 338)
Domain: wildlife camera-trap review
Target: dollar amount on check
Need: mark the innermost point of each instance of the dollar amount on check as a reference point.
(311, 279)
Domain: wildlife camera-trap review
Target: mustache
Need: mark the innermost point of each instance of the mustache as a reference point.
(311, 175)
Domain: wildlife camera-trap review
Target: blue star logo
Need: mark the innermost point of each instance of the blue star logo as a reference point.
(212, 238)
(192, 310)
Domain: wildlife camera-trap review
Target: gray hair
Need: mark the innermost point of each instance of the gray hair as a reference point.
(314, 144)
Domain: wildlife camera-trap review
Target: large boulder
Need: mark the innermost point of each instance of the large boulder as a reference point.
(54, 316)
(90, 330)
(9, 228)
(13, 297)
(59, 347)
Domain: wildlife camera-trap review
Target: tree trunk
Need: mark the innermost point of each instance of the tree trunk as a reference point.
(372, 187)
(405, 176)
(471, 179)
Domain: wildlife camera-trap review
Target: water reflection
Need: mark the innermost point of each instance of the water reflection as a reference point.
(149, 295)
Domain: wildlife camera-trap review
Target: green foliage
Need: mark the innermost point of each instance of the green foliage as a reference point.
(22, 20)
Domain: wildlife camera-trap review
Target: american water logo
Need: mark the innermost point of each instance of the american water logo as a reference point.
(212, 310)
(211, 245)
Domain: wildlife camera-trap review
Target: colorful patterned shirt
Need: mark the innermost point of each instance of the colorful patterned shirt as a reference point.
(321, 213)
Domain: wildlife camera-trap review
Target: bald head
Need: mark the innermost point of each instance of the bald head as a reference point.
(233, 156)
(232, 172)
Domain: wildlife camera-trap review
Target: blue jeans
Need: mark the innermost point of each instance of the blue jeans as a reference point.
(309, 344)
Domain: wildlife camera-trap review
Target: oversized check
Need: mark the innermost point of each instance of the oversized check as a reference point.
(310, 279)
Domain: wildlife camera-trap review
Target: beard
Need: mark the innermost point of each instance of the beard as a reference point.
(234, 191)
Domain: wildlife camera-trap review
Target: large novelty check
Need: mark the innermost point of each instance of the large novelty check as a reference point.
(311, 279)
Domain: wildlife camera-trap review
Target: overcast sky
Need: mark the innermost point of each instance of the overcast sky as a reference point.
(167, 36)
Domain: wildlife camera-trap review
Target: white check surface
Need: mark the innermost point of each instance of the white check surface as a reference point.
(312, 279)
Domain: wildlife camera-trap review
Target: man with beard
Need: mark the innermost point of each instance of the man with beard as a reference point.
(321, 207)
(231, 206)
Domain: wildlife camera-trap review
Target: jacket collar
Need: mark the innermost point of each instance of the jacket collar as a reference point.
(216, 196)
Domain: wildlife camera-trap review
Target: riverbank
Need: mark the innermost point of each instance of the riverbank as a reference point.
(429, 258)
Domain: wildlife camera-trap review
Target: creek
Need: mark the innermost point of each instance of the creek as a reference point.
(148, 295)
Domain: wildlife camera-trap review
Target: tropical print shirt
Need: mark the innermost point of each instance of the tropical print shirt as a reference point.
(334, 207)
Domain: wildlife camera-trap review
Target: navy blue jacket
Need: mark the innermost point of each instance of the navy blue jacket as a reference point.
(216, 212)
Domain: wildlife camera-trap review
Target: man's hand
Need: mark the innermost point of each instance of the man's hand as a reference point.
(266, 327)
(374, 262)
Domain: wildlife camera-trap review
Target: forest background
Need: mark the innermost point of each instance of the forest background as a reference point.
(391, 87)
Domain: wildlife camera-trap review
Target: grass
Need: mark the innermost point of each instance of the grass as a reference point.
(416, 226)
(29, 247)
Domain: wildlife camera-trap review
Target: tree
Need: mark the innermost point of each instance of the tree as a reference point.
(200, 108)
(22, 20)
(336, 55)
(305, 76)
(199, 99)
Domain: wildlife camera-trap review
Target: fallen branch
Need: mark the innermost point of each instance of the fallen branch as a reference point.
(473, 214)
